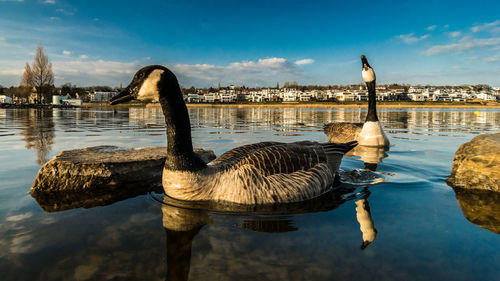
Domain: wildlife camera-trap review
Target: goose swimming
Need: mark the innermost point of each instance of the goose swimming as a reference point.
(369, 133)
(260, 173)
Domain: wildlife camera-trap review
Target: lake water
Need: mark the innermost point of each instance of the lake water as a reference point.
(416, 226)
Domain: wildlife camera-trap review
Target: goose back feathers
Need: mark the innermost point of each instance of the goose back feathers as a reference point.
(262, 173)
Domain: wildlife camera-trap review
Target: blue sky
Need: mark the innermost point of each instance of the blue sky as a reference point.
(254, 43)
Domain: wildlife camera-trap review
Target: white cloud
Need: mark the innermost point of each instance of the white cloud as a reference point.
(83, 56)
(98, 67)
(304, 61)
(12, 72)
(486, 26)
(465, 44)
(97, 72)
(455, 33)
(49, 1)
(492, 59)
(431, 28)
(66, 53)
(262, 72)
(410, 38)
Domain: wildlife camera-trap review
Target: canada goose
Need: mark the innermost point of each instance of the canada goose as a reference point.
(369, 133)
(261, 173)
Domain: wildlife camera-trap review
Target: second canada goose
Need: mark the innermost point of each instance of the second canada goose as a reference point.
(261, 173)
(369, 133)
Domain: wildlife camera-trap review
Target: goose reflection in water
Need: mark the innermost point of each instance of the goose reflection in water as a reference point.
(365, 220)
(370, 155)
(184, 220)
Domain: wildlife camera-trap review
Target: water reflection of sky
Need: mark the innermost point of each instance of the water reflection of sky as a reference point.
(422, 232)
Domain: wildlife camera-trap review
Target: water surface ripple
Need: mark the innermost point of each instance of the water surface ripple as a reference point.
(401, 222)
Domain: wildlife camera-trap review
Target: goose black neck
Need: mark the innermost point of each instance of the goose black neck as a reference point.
(372, 102)
(180, 154)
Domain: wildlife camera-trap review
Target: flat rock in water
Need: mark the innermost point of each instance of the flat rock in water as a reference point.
(477, 164)
(104, 168)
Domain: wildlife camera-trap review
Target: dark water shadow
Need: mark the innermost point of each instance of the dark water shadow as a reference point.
(183, 221)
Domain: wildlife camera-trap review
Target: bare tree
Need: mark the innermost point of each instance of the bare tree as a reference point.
(39, 74)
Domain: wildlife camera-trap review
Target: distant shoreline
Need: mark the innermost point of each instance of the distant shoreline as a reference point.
(334, 105)
(269, 105)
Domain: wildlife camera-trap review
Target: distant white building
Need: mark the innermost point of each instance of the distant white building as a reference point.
(417, 96)
(211, 97)
(360, 96)
(5, 99)
(101, 96)
(305, 96)
(345, 96)
(193, 98)
(290, 96)
(330, 95)
(226, 97)
(486, 96)
(257, 97)
(57, 100)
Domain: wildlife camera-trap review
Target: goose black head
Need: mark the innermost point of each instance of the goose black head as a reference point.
(144, 85)
(365, 63)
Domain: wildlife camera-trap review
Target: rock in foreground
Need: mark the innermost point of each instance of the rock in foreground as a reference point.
(477, 164)
(103, 168)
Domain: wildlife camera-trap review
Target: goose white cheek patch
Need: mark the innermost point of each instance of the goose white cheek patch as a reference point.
(149, 89)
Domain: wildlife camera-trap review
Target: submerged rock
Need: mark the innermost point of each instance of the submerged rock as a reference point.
(57, 201)
(103, 168)
(481, 207)
(477, 164)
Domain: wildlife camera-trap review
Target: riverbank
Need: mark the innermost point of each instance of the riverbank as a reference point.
(36, 106)
(338, 105)
(491, 105)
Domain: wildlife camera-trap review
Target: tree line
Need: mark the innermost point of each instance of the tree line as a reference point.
(39, 78)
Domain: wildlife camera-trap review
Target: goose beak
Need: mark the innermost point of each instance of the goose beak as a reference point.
(122, 97)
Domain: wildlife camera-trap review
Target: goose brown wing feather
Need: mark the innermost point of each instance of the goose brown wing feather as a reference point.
(340, 132)
(236, 154)
(292, 157)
